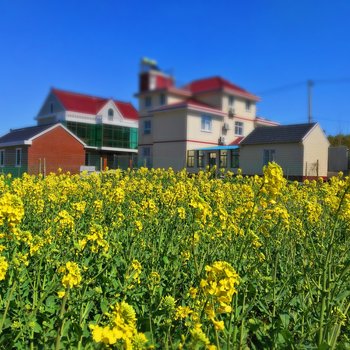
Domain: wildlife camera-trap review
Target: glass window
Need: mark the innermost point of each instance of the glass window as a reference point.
(231, 101)
(146, 151)
(190, 159)
(18, 156)
(2, 157)
(206, 123)
(51, 107)
(239, 128)
(110, 114)
(269, 155)
(162, 99)
(148, 101)
(235, 158)
(200, 159)
(212, 159)
(223, 158)
(147, 127)
(247, 105)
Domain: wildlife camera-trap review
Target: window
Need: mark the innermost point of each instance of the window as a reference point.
(247, 106)
(146, 151)
(87, 158)
(148, 101)
(18, 156)
(190, 159)
(162, 99)
(110, 114)
(235, 158)
(200, 159)
(239, 128)
(206, 123)
(147, 127)
(223, 159)
(51, 107)
(212, 159)
(2, 157)
(146, 157)
(231, 101)
(269, 156)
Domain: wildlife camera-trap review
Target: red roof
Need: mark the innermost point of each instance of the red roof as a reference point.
(237, 141)
(77, 102)
(216, 83)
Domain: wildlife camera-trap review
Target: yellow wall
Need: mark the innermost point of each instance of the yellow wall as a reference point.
(316, 150)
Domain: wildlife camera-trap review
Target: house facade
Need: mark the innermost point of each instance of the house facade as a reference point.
(108, 127)
(41, 150)
(178, 124)
(300, 149)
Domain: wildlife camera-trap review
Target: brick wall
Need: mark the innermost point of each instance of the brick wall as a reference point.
(55, 149)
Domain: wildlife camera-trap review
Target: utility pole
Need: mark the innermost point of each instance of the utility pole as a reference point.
(310, 85)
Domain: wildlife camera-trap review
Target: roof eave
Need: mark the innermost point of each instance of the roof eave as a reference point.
(16, 143)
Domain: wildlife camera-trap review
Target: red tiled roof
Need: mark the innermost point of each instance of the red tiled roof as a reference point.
(216, 83)
(82, 103)
(127, 110)
(237, 141)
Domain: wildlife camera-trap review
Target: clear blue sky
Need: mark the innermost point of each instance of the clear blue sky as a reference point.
(94, 46)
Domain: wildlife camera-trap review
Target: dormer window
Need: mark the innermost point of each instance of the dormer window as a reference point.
(110, 114)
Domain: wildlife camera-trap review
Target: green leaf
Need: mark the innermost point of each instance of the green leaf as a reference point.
(285, 320)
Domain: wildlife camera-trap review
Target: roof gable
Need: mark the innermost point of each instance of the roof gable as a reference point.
(82, 103)
(278, 134)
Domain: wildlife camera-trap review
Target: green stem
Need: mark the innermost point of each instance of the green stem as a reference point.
(241, 335)
(61, 318)
(7, 306)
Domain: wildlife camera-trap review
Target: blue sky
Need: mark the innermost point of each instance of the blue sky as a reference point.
(94, 47)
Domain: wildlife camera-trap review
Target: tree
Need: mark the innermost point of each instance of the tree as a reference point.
(339, 140)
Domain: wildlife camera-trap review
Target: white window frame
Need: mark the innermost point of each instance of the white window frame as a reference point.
(206, 123)
(269, 155)
(239, 128)
(19, 161)
(147, 127)
(2, 157)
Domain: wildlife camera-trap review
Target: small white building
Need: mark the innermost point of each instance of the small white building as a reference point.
(300, 149)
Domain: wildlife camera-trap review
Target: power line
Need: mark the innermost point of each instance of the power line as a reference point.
(283, 88)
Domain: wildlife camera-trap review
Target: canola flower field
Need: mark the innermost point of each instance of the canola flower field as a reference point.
(153, 259)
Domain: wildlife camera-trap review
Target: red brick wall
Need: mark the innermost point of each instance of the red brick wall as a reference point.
(59, 149)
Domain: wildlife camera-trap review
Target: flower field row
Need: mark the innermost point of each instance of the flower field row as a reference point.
(153, 259)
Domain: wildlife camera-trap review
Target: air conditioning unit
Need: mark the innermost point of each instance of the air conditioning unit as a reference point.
(221, 140)
(231, 113)
(226, 126)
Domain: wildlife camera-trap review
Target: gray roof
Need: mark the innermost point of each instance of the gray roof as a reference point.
(277, 134)
(23, 134)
